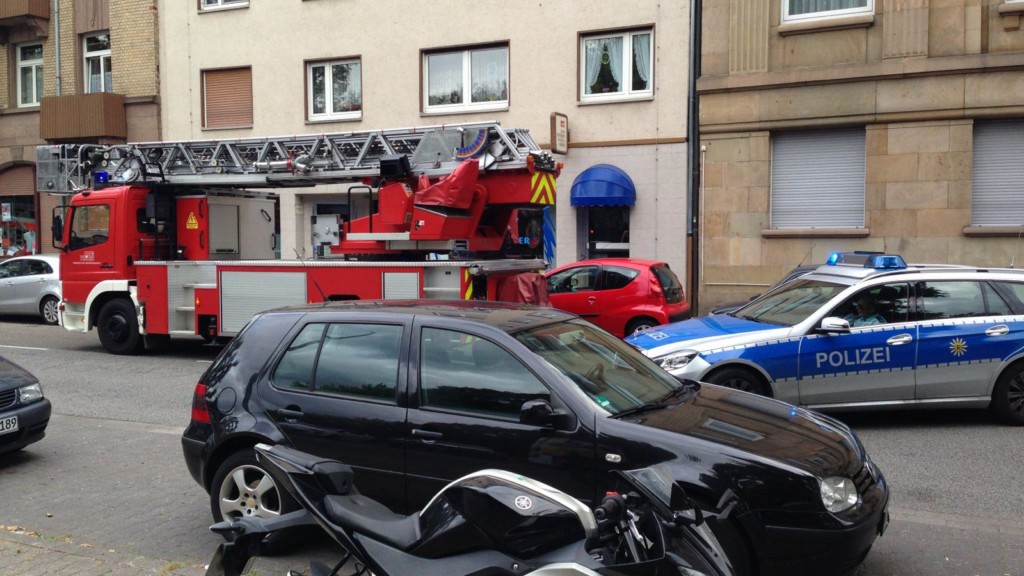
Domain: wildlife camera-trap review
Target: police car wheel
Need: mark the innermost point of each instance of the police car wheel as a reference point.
(1008, 396)
(740, 379)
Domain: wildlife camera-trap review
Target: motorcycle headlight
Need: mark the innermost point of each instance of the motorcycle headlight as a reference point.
(29, 394)
(838, 494)
(677, 360)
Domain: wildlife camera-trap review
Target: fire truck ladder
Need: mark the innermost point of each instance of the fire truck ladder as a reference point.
(289, 161)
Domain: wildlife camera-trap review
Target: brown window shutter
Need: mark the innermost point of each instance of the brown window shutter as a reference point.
(227, 98)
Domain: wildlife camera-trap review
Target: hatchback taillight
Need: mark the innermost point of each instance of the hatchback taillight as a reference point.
(199, 411)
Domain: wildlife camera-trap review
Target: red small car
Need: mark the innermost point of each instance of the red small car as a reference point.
(621, 295)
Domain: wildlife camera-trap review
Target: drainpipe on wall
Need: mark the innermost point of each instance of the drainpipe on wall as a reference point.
(694, 149)
(56, 33)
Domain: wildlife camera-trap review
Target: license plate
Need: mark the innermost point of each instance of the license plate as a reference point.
(8, 425)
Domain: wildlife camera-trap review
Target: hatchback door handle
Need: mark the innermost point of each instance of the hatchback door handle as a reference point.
(426, 434)
(1001, 330)
(899, 340)
(289, 414)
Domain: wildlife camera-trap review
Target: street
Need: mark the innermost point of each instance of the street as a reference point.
(107, 488)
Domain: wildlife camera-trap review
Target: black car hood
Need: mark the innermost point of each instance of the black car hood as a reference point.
(14, 376)
(749, 427)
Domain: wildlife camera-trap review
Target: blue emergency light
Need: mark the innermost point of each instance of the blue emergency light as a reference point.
(101, 177)
(864, 259)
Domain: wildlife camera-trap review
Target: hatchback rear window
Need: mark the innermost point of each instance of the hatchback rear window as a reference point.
(669, 283)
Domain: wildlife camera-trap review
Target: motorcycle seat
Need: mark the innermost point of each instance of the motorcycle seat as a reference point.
(369, 517)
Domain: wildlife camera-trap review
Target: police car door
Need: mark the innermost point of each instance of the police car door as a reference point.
(965, 333)
(870, 363)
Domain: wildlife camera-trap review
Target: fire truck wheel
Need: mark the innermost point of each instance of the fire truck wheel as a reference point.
(118, 327)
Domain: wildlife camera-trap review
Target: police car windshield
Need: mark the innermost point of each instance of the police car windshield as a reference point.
(790, 304)
(610, 372)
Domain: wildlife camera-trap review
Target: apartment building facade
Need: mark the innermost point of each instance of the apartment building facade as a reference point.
(616, 78)
(892, 125)
(71, 71)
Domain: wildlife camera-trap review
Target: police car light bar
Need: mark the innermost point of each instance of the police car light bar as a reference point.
(864, 259)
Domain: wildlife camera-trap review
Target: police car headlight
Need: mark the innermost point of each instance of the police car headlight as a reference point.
(677, 360)
(838, 494)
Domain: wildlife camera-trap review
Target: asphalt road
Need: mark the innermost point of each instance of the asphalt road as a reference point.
(108, 482)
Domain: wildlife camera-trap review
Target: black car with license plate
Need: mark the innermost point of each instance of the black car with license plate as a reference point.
(416, 394)
(24, 412)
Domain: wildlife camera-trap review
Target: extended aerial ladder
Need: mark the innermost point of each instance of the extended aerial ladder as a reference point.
(290, 161)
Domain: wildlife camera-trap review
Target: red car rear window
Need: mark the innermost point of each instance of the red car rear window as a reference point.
(669, 284)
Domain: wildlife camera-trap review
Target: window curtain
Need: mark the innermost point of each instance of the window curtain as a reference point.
(593, 64)
(599, 72)
(642, 59)
(812, 6)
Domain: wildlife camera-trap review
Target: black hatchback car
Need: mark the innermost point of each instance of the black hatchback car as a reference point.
(415, 394)
(24, 412)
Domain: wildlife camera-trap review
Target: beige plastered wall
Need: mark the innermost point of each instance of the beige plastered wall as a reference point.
(916, 78)
(646, 138)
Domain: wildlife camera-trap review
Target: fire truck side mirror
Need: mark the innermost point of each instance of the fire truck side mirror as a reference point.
(57, 229)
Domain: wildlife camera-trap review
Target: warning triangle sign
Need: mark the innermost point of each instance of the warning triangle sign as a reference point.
(192, 223)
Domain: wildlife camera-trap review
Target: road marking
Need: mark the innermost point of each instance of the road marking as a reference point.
(24, 347)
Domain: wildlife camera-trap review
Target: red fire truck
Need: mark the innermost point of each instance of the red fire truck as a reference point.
(178, 238)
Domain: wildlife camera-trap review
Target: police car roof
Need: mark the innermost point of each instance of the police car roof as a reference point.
(853, 274)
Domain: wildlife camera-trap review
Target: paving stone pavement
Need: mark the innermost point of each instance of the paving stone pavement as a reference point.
(25, 553)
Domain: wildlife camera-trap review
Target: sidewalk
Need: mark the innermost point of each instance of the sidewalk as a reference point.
(24, 553)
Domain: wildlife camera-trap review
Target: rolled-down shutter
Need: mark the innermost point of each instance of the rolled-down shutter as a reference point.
(997, 195)
(227, 98)
(818, 179)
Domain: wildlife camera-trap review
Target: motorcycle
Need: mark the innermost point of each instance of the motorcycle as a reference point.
(490, 522)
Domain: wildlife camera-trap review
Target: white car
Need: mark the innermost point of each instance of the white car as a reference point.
(30, 285)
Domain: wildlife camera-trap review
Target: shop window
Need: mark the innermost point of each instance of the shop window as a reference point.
(607, 231)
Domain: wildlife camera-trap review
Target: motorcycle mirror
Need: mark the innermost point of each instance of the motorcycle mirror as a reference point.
(680, 501)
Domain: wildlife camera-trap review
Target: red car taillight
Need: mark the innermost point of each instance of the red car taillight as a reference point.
(199, 411)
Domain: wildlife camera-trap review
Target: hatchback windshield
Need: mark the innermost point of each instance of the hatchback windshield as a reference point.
(791, 304)
(615, 375)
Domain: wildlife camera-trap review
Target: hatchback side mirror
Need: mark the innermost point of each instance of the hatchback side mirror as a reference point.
(540, 413)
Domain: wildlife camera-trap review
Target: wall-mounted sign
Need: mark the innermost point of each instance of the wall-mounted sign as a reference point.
(559, 133)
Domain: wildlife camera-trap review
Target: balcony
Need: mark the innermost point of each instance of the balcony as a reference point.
(83, 117)
(25, 20)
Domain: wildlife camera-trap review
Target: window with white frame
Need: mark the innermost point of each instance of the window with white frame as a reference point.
(617, 66)
(96, 54)
(466, 80)
(30, 74)
(996, 174)
(218, 4)
(335, 90)
(818, 179)
(797, 10)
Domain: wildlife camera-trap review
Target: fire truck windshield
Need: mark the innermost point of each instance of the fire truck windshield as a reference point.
(90, 225)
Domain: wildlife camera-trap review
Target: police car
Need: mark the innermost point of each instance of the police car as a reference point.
(939, 336)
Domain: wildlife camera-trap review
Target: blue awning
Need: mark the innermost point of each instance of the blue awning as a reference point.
(603, 185)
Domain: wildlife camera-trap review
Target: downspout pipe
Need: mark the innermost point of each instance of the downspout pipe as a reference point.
(694, 149)
(56, 42)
